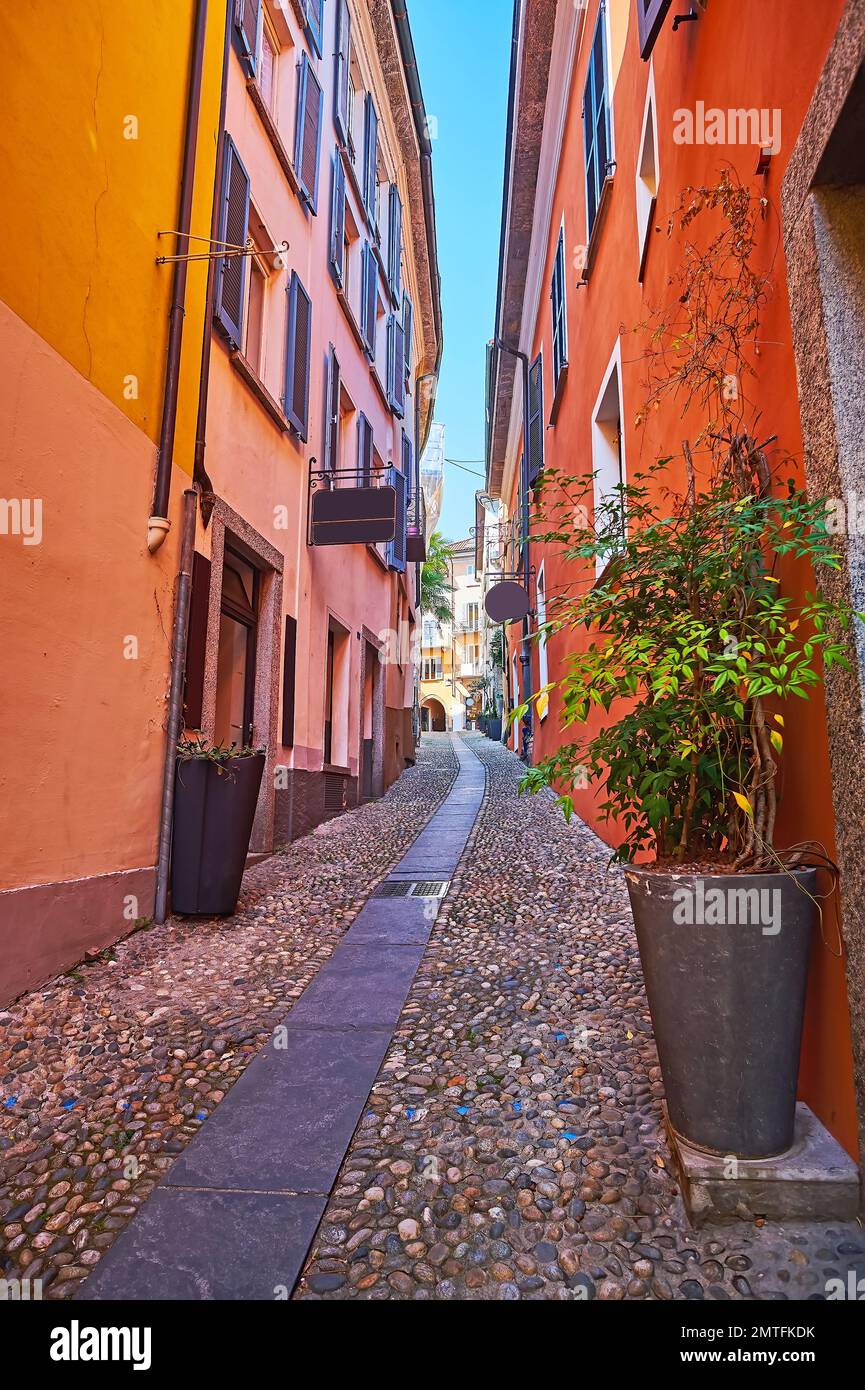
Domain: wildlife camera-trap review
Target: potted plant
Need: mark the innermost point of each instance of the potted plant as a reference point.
(215, 796)
(691, 647)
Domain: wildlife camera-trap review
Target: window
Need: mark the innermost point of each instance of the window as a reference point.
(315, 24)
(543, 702)
(596, 122)
(342, 92)
(245, 34)
(253, 347)
(472, 617)
(608, 459)
(558, 295)
(297, 356)
(394, 242)
(267, 64)
(331, 412)
(396, 365)
(397, 547)
(307, 134)
(364, 451)
(432, 668)
(369, 299)
(233, 232)
(536, 420)
(337, 221)
(650, 18)
(370, 159)
(647, 175)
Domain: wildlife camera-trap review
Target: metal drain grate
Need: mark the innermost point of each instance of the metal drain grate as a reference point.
(430, 888)
(419, 888)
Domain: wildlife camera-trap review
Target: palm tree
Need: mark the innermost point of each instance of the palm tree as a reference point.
(435, 580)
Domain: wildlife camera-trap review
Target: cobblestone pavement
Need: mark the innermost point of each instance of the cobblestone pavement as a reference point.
(512, 1147)
(124, 1058)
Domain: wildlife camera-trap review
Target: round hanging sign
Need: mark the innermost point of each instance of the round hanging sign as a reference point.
(507, 601)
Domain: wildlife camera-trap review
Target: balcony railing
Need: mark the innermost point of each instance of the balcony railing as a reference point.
(416, 542)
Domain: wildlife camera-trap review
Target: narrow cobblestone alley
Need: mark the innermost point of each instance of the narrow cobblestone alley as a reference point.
(512, 1147)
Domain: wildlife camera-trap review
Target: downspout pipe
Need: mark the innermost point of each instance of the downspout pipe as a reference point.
(412, 77)
(199, 472)
(525, 654)
(175, 702)
(159, 524)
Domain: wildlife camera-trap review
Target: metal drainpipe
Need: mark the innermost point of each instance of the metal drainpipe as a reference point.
(175, 702)
(158, 524)
(525, 654)
(199, 472)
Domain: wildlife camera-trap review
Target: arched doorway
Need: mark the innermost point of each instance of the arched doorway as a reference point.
(434, 717)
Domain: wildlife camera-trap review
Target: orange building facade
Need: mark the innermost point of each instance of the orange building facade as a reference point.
(616, 108)
(227, 300)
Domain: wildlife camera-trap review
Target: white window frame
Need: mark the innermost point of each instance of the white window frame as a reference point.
(609, 465)
(645, 194)
(541, 609)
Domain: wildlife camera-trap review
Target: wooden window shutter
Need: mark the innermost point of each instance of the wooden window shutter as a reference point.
(535, 452)
(196, 642)
(315, 23)
(297, 356)
(558, 295)
(408, 331)
(370, 159)
(397, 547)
(394, 243)
(650, 18)
(369, 307)
(246, 14)
(396, 365)
(331, 411)
(308, 133)
(407, 455)
(343, 58)
(364, 451)
(337, 221)
(289, 670)
(233, 231)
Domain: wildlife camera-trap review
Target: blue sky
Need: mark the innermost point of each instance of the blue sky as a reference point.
(463, 53)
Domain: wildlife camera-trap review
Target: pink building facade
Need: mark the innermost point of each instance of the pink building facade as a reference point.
(325, 348)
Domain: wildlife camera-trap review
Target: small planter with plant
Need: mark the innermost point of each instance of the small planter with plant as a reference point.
(689, 649)
(215, 795)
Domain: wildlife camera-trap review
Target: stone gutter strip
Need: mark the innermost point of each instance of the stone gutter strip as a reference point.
(236, 1214)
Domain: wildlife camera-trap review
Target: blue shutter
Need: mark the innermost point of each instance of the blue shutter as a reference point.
(558, 295)
(396, 365)
(297, 356)
(331, 411)
(341, 76)
(233, 231)
(394, 243)
(370, 159)
(596, 121)
(535, 443)
(337, 221)
(369, 303)
(407, 456)
(408, 331)
(397, 547)
(245, 33)
(307, 133)
(315, 24)
(364, 451)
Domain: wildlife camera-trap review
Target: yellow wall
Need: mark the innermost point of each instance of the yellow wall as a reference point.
(86, 202)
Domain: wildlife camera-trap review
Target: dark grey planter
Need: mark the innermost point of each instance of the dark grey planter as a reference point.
(214, 808)
(494, 729)
(726, 984)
